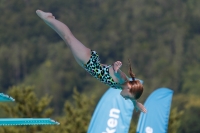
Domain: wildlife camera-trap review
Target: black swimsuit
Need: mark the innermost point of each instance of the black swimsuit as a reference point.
(98, 71)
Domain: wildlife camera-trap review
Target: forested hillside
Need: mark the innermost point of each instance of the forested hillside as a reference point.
(160, 37)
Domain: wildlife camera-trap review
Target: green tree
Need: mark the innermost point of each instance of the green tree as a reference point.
(161, 39)
(190, 120)
(26, 105)
(133, 127)
(175, 120)
(77, 115)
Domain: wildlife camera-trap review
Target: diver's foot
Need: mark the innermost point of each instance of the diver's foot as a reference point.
(44, 15)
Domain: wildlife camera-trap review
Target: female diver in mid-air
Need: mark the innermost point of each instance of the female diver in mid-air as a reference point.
(88, 59)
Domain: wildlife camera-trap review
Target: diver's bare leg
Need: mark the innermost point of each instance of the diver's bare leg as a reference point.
(79, 51)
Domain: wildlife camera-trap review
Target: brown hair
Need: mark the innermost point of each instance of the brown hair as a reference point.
(136, 85)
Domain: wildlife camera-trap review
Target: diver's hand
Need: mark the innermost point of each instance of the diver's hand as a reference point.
(139, 107)
(117, 65)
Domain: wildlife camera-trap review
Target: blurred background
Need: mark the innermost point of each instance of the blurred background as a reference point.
(160, 37)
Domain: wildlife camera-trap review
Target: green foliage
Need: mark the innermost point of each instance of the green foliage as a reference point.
(75, 118)
(27, 105)
(133, 127)
(187, 117)
(25, 98)
(160, 37)
(191, 115)
(175, 120)
(77, 115)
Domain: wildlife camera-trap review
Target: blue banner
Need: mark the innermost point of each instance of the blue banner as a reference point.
(112, 115)
(158, 109)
